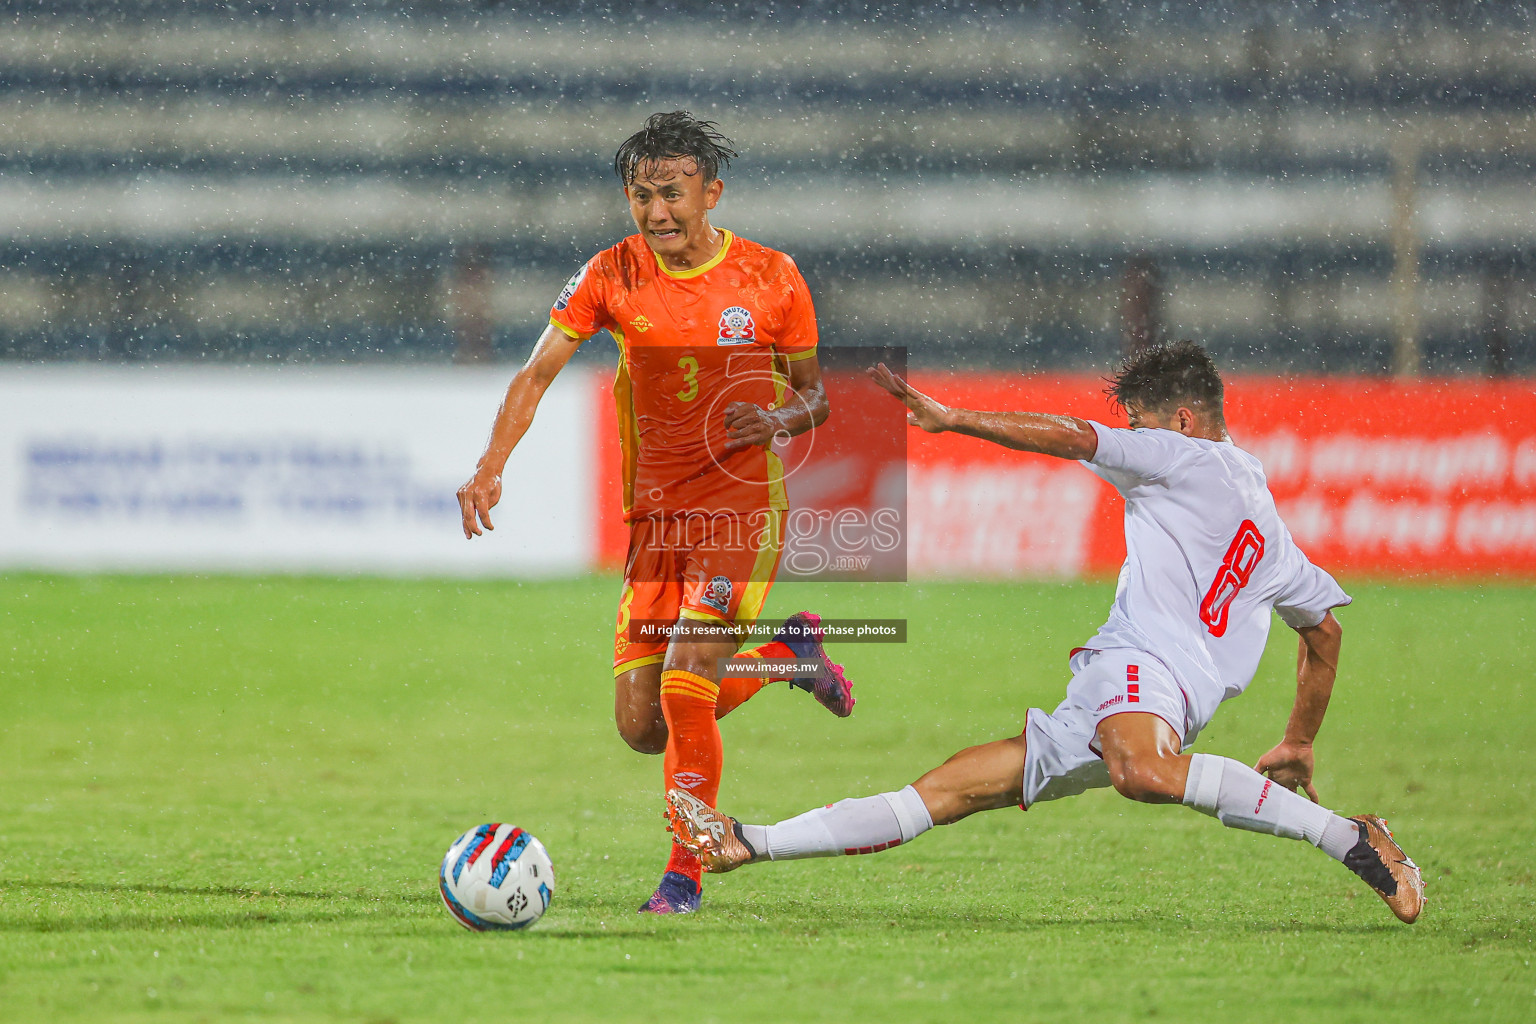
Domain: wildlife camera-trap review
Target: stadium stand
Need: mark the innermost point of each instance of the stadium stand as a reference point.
(1338, 189)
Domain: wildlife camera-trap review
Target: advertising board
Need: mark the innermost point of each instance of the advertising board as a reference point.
(336, 469)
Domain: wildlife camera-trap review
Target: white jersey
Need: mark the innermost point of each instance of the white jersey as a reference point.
(1207, 557)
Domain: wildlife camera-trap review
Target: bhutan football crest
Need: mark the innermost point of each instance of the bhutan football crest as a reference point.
(717, 594)
(736, 327)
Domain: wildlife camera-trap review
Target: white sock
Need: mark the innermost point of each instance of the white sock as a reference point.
(865, 825)
(1242, 798)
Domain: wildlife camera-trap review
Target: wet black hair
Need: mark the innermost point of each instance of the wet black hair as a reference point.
(1162, 377)
(673, 136)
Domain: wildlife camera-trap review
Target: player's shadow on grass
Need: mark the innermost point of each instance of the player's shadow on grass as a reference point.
(257, 907)
(870, 919)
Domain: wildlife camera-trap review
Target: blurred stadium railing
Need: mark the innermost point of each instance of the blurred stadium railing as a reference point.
(1345, 188)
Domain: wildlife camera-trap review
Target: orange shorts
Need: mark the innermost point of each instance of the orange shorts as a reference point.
(707, 568)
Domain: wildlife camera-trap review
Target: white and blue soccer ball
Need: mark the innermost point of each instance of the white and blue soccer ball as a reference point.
(496, 878)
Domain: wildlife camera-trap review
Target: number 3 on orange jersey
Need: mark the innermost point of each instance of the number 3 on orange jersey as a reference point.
(623, 625)
(690, 368)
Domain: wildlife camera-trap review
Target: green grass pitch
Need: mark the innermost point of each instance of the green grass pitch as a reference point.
(226, 799)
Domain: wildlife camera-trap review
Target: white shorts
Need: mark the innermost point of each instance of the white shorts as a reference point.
(1060, 755)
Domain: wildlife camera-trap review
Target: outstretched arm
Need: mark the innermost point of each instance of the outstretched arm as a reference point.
(1290, 762)
(483, 490)
(1065, 437)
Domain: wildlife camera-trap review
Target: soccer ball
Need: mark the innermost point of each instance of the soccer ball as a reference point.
(496, 878)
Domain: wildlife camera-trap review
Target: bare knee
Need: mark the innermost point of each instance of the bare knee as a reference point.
(1149, 778)
(698, 647)
(637, 713)
(646, 736)
(637, 709)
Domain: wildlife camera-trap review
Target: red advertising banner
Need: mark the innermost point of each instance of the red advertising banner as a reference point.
(846, 482)
(1397, 478)
(1373, 476)
(979, 510)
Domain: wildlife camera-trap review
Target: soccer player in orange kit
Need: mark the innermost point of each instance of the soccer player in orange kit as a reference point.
(717, 341)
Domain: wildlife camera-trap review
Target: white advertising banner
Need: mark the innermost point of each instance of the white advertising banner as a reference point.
(334, 469)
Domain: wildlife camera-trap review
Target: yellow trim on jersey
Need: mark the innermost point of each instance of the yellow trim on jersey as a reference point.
(704, 268)
(630, 666)
(778, 498)
(768, 550)
(780, 380)
(755, 594)
(629, 428)
(804, 353)
(568, 331)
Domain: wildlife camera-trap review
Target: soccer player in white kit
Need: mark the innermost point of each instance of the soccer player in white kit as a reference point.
(1207, 558)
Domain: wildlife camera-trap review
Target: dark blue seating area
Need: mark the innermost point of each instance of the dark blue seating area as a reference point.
(279, 182)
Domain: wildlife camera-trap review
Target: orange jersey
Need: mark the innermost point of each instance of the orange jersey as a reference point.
(691, 343)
